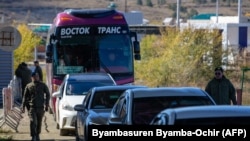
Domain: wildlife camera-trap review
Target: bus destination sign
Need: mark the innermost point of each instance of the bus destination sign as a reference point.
(68, 32)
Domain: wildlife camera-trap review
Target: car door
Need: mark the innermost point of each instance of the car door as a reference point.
(81, 120)
(57, 103)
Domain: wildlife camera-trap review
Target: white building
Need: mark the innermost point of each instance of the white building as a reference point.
(235, 32)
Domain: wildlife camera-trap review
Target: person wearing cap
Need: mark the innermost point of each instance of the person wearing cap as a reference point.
(221, 88)
(37, 96)
(38, 70)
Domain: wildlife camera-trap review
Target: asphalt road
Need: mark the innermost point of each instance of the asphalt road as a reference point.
(18, 124)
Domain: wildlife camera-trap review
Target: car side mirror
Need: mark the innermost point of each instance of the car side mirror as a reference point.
(79, 107)
(115, 121)
(56, 94)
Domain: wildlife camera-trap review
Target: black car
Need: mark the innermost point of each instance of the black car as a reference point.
(204, 115)
(139, 106)
(96, 107)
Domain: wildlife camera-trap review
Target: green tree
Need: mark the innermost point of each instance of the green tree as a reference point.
(25, 52)
(192, 13)
(176, 57)
(200, 1)
(149, 3)
(139, 2)
(172, 6)
(161, 2)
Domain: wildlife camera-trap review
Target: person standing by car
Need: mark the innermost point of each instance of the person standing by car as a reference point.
(37, 96)
(221, 89)
(38, 70)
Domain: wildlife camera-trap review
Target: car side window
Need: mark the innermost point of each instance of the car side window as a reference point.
(69, 89)
(118, 106)
(61, 89)
(123, 110)
(86, 99)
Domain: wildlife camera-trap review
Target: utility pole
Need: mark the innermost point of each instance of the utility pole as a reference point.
(178, 14)
(239, 10)
(126, 6)
(217, 10)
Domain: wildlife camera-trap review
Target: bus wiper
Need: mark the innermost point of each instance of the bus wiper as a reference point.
(105, 68)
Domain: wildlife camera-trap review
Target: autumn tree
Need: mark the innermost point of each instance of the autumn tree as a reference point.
(25, 52)
(178, 58)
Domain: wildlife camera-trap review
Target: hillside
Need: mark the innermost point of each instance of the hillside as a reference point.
(43, 11)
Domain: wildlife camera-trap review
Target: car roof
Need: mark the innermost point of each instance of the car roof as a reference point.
(89, 76)
(170, 91)
(209, 111)
(117, 87)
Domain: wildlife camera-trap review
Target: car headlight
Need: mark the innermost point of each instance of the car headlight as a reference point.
(67, 106)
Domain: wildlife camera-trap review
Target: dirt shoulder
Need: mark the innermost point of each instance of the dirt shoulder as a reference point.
(22, 132)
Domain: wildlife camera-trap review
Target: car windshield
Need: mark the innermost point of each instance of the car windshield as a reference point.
(81, 88)
(105, 99)
(144, 109)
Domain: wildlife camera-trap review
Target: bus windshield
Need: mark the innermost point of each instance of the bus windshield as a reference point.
(105, 53)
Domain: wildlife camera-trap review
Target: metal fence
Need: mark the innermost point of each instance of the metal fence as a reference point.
(11, 96)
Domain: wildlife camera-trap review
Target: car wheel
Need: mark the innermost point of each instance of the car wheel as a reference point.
(63, 132)
(57, 126)
(85, 135)
(77, 138)
(76, 132)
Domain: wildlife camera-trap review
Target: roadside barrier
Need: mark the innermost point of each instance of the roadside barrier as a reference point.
(12, 99)
(11, 104)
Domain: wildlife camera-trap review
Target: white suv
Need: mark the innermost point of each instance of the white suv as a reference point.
(72, 91)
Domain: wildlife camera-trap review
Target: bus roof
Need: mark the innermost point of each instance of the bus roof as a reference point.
(89, 16)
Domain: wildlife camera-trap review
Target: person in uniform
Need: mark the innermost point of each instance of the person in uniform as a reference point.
(38, 70)
(37, 96)
(221, 88)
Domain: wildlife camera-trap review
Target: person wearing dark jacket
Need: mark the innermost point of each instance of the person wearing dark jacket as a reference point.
(24, 73)
(221, 89)
(37, 96)
(38, 70)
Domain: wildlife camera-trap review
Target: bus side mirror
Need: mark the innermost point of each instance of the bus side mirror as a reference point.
(49, 50)
(48, 60)
(136, 47)
(49, 53)
(137, 55)
(52, 37)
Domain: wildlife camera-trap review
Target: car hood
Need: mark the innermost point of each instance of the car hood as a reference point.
(99, 116)
(73, 100)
